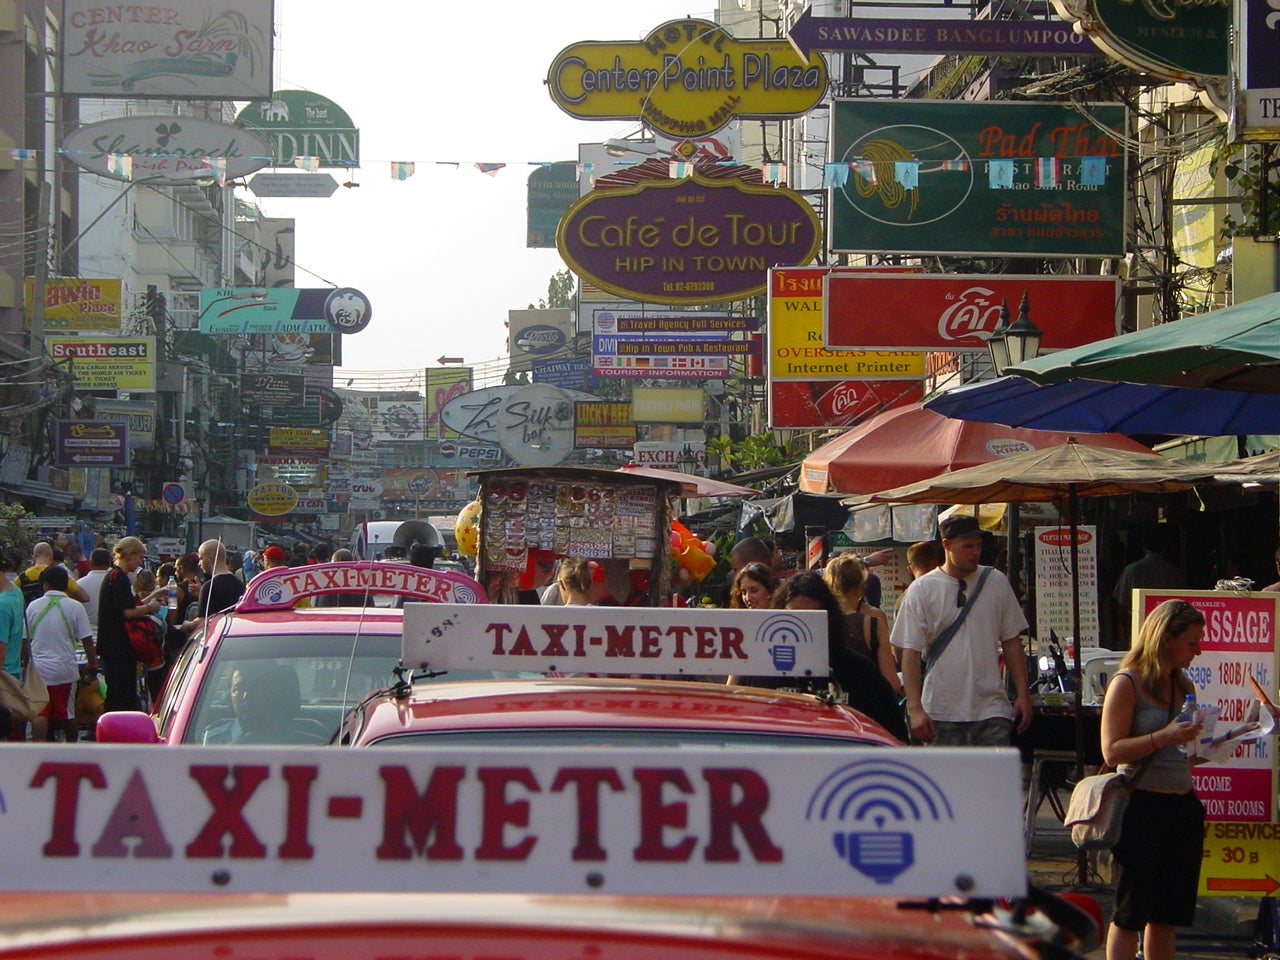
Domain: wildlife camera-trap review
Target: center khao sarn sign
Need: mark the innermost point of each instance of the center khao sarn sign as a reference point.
(687, 241)
(687, 78)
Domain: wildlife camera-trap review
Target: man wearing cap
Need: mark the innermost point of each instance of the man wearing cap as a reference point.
(962, 699)
(274, 556)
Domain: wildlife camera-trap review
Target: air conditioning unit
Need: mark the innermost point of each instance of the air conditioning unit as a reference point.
(377, 514)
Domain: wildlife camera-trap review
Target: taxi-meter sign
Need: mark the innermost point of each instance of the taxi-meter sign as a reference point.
(651, 640)
(846, 821)
(272, 499)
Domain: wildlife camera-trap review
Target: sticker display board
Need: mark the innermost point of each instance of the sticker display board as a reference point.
(592, 518)
(1053, 583)
(843, 821)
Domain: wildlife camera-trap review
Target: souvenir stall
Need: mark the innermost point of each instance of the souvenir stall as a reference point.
(526, 519)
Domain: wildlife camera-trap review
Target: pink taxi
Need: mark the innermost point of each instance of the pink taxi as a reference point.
(271, 671)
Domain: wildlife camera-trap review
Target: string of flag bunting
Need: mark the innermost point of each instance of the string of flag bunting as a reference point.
(1002, 174)
(121, 165)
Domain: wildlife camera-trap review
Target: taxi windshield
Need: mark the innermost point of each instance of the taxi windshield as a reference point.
(292, 688)
(614, 737)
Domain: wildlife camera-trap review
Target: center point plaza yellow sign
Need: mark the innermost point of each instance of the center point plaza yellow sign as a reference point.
(687, 78)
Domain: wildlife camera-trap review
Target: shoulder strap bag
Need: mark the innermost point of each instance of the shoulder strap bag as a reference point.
(943, 639)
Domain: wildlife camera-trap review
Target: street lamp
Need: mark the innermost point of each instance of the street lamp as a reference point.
(1023, 337)
(127, 476)
(687, 462)
(997, 344)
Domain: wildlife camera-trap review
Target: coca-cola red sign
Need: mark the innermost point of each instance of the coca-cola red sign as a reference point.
(955, 312)
(687, 241)
(795, 404)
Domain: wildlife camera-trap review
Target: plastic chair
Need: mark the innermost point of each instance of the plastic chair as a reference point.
(1097, 674)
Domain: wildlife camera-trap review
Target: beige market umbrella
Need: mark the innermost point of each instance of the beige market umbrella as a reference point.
(1068, 471)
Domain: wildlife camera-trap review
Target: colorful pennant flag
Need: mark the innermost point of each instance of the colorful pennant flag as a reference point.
(1047, 172)
(402, 169)
(1000, 174)
(490, 168)
(1093, 171)
(907, 173)
(774, 172)
(835, 174)
(120, 164)
(960, 165)
(307, 163)
(18, 153)
(679, 169)
(586, 170)
(219, 167)
(866, 170)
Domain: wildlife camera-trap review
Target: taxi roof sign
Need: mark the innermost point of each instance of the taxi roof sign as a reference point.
(874, 821)
(279, 588)
(648, 640)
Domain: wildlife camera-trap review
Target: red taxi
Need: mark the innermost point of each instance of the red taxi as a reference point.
(268, 671)
(598, 685)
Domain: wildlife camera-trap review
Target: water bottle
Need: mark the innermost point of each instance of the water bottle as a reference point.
(172, 602)
(1187, 714)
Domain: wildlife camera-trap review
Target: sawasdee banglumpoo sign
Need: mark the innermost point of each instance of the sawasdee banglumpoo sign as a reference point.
(687, 78)
(1010, 179)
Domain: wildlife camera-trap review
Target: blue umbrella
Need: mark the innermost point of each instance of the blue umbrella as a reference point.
(1095, 406)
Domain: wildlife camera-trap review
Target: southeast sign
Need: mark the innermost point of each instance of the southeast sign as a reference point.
(687, 78)
(166, 149)
(694, 240)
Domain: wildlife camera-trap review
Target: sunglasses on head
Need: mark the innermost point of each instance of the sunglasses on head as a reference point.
(961, 599)
(757, 569)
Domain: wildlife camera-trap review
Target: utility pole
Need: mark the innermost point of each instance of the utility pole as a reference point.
(40, 281)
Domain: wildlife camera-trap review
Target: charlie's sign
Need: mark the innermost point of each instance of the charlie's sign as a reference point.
(687, 78)
(695, 240)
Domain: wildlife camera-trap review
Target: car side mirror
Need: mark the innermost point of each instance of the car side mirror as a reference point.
(126, 726)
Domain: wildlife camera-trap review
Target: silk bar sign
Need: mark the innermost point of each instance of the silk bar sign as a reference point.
(689, 241)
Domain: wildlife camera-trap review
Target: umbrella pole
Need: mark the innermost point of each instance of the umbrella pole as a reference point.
(1073, 506)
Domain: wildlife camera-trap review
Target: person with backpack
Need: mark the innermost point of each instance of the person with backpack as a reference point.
(29, 579)
(55, 623)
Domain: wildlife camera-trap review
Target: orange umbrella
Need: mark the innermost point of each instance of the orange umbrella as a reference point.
(909, 443)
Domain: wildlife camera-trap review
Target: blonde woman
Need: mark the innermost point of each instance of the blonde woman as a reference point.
(117, 603)
(866, 627)
(1157, 859)
(575, 579)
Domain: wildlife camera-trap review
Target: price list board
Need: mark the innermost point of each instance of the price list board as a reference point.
(1053, 578)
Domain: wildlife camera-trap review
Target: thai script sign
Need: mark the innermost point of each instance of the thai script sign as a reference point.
(956, 312)
(92, 443)
(183, 50)
(693, 240)
(165, 149)
(78, 305)
(811, 385)
(107, 363)
(941, 177)
(299, 123)
(687, 78)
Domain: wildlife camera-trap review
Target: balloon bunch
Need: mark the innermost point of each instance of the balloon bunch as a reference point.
(693, 558)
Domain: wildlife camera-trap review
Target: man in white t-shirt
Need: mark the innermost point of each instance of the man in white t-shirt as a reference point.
(962, 701)
(91, 583)
(55, 622)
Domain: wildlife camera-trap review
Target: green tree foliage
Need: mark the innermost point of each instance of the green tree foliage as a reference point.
(560, 292)
(13, 531)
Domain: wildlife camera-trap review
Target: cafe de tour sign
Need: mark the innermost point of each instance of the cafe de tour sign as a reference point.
(1178, 40)
(687, 78)
(693, 240)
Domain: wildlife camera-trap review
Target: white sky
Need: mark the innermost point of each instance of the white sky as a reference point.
(442, 255)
